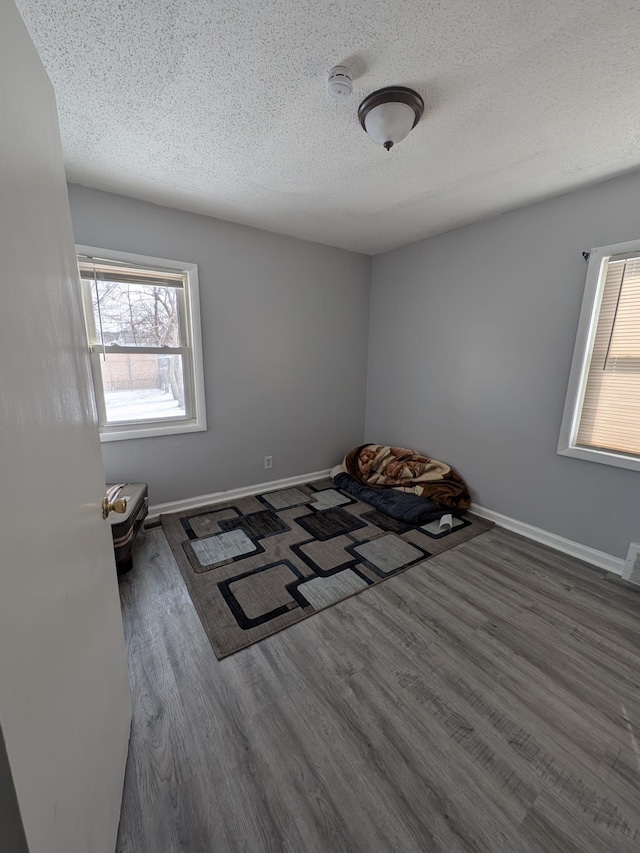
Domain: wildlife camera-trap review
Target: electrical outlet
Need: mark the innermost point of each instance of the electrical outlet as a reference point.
(268, 461)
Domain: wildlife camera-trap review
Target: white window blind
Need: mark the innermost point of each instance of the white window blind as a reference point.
(610, 414)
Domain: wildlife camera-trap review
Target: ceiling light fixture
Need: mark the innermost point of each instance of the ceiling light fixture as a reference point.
(389, 114)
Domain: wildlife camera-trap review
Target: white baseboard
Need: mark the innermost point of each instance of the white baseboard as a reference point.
(567, 546)
(590, 555)
(234, 494)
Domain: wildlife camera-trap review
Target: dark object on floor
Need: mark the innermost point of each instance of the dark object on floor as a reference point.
(400, 505)
(382, 466)
(125, 527)
(259, 564)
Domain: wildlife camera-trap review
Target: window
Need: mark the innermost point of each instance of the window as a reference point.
(143, 326)
(602, 413)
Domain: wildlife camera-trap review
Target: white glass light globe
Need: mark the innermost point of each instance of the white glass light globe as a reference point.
(389, 122)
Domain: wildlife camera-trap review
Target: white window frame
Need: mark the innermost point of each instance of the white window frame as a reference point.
(587, 326)
(194, 377)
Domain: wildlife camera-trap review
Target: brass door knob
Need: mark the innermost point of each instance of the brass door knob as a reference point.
(119, 505)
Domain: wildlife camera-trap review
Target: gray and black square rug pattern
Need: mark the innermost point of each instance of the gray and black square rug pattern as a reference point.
(259, 564)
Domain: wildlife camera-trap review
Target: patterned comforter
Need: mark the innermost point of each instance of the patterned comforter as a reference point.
(381, 466)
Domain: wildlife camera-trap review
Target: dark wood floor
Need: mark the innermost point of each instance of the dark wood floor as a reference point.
(487, 700)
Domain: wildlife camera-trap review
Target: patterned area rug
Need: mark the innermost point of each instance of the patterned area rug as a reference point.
(259, 564)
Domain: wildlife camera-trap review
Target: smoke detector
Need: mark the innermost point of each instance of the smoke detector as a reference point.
(339, 82)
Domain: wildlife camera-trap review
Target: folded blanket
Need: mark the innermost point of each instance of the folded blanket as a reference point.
(401, 505)
(379, 466)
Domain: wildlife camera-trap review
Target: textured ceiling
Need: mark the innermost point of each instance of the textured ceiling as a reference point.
(221, 108)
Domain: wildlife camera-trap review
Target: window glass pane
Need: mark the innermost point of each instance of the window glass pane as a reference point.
(624, 345)
(142, 386)
(145, 315)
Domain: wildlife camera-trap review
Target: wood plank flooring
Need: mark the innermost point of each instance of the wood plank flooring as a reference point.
(488, 700)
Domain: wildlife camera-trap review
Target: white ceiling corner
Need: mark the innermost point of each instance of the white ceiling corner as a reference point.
(221, 108)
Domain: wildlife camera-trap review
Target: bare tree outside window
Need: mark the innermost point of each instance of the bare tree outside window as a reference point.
(139, 315)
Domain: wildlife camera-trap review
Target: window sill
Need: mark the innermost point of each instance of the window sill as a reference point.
(148, 431)
(604, 457)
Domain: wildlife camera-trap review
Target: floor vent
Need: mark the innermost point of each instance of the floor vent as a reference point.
(151, 524)
(632, 564)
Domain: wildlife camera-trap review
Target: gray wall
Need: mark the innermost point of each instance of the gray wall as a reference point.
(284, 329)
(471, 340)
